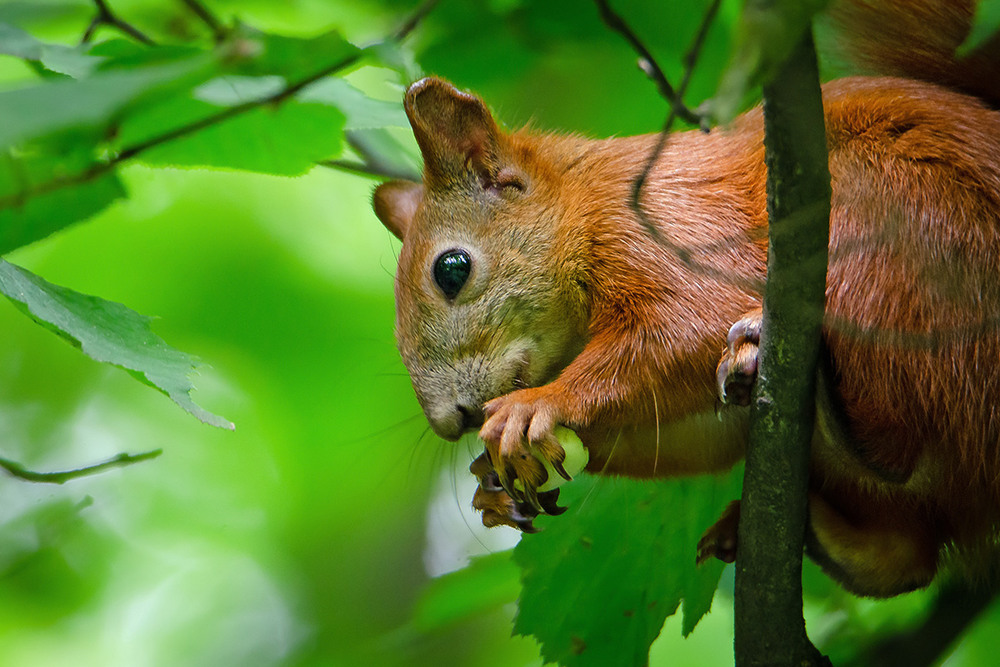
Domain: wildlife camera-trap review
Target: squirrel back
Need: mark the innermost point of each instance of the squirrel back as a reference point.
(914, 39)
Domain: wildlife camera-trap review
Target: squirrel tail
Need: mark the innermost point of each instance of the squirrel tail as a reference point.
(916, 39)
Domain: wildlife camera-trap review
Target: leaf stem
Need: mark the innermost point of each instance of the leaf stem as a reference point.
(107, 17)
(677, 109)
(17, 470)
(219, 31)
(649, 65)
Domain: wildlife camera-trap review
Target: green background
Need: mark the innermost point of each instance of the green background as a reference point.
(312, 534)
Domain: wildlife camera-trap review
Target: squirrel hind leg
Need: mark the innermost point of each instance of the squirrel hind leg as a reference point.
(874, 558)
(720, 540)
(880, 559)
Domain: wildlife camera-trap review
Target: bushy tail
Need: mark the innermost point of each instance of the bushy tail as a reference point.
(916, 39)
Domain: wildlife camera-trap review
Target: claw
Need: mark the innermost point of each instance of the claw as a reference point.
(526, 526)
(491, 482)
(531, 498)
(548, 501)
(558, 465)
(523, 517)
(506, 479)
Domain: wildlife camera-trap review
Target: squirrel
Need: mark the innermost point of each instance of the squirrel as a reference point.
(529, 295)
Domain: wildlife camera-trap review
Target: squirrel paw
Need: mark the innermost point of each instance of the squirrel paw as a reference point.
(519, 434)
(719, 541)
(499, 509)
(737, 370)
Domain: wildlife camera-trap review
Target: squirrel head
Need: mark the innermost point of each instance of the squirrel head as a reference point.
(490, 294)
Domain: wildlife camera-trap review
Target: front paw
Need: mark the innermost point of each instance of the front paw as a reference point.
(519, 436)
(499, 509)
(737, 369)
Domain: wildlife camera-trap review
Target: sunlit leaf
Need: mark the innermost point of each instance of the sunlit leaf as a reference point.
(24, 219)
(108, 332)
(362, 112)
(225, 91)
(22, 13)
(486, 583)
(258, 54)
(600, 580)
(285, 139)
(72, 61)
(95, 103)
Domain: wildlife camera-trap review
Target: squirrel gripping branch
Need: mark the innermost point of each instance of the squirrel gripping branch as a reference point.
(530, 295)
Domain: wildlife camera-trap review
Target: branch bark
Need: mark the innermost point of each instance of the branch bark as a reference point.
(768, 607)
(107, 17)
(219, 31)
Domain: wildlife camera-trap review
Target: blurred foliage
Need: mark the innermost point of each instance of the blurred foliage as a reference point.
(319, 532)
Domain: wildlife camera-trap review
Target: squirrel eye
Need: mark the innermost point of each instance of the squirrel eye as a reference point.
(451, 271)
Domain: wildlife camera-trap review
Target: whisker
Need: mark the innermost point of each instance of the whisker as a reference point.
(656, 416)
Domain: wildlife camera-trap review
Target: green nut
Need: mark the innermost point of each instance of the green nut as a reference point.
(576, 458)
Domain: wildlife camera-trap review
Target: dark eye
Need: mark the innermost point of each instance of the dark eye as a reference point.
(451, 270)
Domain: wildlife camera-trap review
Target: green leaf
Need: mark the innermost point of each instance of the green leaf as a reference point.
(57, 58)
(486, 583)
(256, 53)
(286, 139)
(362, 112)
(378, 147)
(768, 31)
(228, 91)
(94, 103)
(985, 26)
(107, 332)
(599, 581)
(24, 219)
(32, 12)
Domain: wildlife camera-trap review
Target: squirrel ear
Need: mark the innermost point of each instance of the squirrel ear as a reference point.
(453, 129)
(395, 204)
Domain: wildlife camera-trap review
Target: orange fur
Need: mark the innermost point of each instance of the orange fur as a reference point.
(574, 314)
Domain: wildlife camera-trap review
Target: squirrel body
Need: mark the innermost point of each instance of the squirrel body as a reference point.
(569, 311)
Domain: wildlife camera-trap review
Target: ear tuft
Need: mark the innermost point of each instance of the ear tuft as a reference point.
(395, 203)
(453, 129)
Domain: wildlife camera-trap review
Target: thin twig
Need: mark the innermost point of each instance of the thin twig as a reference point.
(107, 17)
(99, 169)
(421, 12)
(20, 472)
(219, 31)
(649, 65)
(690, 60)
(372, 162)
(379, 171)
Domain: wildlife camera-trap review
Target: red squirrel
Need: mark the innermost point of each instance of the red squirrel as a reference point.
(529, 295)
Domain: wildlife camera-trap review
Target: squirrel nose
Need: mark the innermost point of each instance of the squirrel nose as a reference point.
(472, 416)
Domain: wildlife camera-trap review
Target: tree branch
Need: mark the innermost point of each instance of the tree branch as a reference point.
(107, 17)
(219, 31)
(649, 65)
(411, 23)
(773, 511)
(20, 472)
(99, 169)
